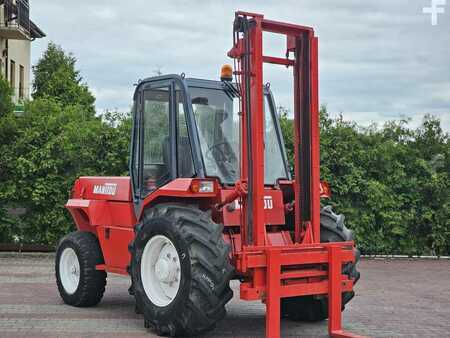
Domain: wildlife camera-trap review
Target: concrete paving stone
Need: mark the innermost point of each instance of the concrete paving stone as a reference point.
(395, 298)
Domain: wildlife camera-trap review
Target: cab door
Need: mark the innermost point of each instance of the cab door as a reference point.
(152, 158)
(161, 148)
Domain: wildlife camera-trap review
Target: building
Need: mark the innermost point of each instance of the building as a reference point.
(17, 32)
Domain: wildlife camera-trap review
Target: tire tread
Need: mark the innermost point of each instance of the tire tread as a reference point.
(209, 255)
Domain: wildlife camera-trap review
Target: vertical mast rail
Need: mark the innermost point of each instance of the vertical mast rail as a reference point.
(256, 179)
(315, 141)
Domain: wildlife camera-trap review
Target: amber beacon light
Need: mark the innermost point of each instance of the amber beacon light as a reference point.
(226, 73)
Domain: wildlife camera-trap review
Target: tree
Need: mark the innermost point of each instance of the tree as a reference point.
(7, 136)
(56, 140)
(287, 129)
(6, 103)
(56, 145)
(55, 76)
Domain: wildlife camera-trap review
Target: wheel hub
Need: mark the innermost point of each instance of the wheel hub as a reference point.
(160, 270)
(69, 270)
(165, 270)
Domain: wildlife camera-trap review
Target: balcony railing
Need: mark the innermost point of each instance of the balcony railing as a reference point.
(15, 22)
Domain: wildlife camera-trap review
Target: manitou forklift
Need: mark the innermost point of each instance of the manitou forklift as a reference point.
(210, 198)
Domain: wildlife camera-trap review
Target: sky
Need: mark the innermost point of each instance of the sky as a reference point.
(378, 60)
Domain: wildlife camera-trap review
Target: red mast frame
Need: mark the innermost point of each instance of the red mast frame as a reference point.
(296, 269)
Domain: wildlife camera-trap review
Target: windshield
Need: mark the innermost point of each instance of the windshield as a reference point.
(217, 117)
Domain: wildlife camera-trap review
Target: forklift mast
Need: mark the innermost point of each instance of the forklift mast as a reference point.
(276, 271)
(248, 50)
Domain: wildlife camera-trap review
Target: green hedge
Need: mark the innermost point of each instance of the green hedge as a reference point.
(391, 182)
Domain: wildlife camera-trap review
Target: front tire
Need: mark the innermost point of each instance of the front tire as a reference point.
(180, 270)
(315, 308)
(79, 283)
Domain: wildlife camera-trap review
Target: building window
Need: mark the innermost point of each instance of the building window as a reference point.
(12, 75)
(21, 82)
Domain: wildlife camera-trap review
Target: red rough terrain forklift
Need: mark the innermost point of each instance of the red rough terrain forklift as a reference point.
(210, 198)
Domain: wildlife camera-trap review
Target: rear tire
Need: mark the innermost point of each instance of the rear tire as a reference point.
(79, 283)
(180, 270)
(315, 308)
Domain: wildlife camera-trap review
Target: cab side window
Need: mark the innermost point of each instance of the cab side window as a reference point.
(156, 138)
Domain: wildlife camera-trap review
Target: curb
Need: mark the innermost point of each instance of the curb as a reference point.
(10, 254)
(405, 257)
(20, 247)
(15, 254)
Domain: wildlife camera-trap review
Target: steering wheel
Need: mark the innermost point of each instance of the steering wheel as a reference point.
(216, 147)
(226, 160)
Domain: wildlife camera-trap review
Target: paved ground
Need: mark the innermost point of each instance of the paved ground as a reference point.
(394, 298)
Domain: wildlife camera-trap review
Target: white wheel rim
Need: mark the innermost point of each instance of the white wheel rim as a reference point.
(160, 270)
(69, 270)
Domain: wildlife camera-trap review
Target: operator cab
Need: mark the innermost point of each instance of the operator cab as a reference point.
(191, 128)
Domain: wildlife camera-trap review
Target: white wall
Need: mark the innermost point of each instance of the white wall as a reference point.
(18, 51)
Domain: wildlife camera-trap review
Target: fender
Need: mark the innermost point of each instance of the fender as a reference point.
(89, 214)
(180, 188)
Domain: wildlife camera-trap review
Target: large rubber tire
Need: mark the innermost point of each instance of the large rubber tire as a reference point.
(205, 270)
(92, 282)
(315, 308)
